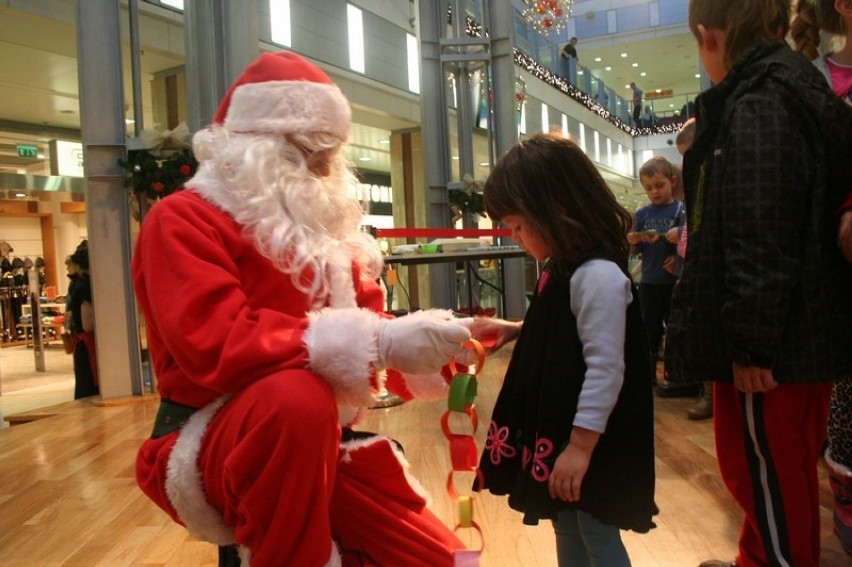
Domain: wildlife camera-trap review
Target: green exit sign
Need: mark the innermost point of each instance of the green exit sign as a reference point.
(27, 151)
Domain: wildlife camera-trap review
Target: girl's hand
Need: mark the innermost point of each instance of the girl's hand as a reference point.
(494, 333)
(571, 465)
(568, 471)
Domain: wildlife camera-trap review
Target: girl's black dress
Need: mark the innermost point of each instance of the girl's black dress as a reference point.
(534, 413)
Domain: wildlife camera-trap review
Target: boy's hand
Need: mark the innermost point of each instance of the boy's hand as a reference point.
(752, 379)
(673, 235)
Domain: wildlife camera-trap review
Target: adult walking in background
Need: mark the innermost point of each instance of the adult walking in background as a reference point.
(834, 17)
(637, 102)
(83, 325)
(570, 49)
(763, 305)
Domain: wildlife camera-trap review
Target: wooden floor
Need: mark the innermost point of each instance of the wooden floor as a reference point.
(68, 497)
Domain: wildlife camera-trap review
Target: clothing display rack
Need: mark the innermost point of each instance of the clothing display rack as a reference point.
(12, 300)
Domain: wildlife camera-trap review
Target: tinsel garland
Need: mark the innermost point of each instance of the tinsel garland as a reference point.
(543, 73)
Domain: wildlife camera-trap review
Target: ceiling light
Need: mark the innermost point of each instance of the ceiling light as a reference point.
(698, 75)
(624, 56)
(607, 68)
(365, 158)
(484, 164)
(643, 74)
(598, 59)
(384, 141)
(635, 64)
(20, 195)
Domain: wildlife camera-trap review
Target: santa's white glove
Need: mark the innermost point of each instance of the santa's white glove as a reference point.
(420, 343)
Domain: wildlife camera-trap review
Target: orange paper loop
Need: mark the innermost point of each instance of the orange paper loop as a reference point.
(480, 351)
(451, 486)
(474, 526)
(471, 414)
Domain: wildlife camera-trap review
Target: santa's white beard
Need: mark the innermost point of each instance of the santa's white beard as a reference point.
(305, 224)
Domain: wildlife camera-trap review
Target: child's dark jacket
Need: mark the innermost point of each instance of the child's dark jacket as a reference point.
(763, 282)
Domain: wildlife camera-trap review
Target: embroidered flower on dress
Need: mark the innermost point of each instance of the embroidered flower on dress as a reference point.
(496, 444)
(543, 449)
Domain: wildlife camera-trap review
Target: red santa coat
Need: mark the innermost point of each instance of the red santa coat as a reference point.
(259, 464)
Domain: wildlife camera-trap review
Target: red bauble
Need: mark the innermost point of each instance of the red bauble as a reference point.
(158, 187)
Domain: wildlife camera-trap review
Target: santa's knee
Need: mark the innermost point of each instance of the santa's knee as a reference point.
(296, 402)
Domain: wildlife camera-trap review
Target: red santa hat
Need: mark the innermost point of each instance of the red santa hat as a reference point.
(282, 93)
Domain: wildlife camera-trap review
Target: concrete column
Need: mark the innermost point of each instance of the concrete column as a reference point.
(435, 140)
(506, 131)
(107, 203)
(221, 40)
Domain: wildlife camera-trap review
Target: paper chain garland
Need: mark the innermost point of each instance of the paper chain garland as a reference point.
(463, 452)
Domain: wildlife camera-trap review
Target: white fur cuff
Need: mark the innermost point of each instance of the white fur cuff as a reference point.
(342, 349)
(426, 387)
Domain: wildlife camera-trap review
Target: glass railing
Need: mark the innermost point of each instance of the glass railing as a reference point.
(660, 115)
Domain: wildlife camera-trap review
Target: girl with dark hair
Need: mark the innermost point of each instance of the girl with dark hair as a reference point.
(571, 435)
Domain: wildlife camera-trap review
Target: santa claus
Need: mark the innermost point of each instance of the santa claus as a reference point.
(264, 327)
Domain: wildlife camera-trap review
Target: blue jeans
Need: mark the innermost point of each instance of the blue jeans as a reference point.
(582, 541)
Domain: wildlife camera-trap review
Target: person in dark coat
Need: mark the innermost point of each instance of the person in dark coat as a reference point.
(764, 301)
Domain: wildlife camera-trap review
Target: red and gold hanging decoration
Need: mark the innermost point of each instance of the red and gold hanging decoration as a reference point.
(547, 16)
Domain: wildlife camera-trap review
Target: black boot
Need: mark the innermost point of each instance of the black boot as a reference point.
(229, 556)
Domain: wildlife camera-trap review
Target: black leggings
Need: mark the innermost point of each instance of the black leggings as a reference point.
(655, 301)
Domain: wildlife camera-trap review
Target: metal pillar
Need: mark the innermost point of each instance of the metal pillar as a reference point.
(506, 131)
(221, 40)
(448, 49)
(435, 140)
(107, 203)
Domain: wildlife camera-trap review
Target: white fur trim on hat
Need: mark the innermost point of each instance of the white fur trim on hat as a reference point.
(342, 348)
(289, 107)
(185, 487)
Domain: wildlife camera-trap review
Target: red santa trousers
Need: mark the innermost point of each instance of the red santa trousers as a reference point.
(768, 446)
(271, 461)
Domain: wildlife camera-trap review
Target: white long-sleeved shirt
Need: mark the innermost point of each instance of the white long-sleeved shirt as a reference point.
(600, 294)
